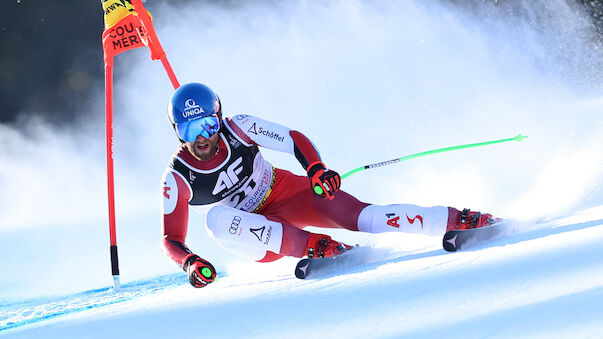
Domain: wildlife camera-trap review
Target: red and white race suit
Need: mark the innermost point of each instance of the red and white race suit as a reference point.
(260, 211)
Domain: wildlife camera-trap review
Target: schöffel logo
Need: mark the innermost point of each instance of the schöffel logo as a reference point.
(258, 232)
(269, 134)
(191, 108)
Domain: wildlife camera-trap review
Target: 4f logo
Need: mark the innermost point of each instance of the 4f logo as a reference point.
(228, 178)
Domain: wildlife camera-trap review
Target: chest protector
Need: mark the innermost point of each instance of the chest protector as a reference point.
(243, 180)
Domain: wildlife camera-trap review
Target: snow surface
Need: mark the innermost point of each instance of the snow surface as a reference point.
(544, 282)
(367, 82)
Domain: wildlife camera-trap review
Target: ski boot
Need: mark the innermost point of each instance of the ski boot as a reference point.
(466, 219)
(322, 246)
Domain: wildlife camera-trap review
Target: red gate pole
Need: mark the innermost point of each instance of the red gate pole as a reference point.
(113, 45)
(157, 52)
(110, 174)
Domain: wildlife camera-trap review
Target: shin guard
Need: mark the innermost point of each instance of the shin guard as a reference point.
(403, 218)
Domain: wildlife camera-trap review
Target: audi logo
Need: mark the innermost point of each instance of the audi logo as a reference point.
(234, 225)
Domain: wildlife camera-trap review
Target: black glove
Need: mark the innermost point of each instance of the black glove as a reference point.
(324, 182)
(200, 272)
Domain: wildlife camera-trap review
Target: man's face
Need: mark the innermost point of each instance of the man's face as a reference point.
(204, 148)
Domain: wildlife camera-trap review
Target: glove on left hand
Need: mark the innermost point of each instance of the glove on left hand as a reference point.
(200, 272)
(324, 182)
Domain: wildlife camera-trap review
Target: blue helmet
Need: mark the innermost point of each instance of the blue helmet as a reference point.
(195, 109)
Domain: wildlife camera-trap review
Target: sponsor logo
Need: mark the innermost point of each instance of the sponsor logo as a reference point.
(452, 241)
(169, 190)
(252, 129)
(125, 36)
(123, 30)
(235, 188)
(268, 235)
(261, 131)
(412, 221)
(259, 193)
(227, 179)
(241, 117)
(393, 222)
(126, 4)
(191, 108)
(259, 232)
(234, 142)
(234, 225)
(305, 267)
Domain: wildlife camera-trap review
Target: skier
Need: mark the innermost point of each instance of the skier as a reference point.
(257, 210)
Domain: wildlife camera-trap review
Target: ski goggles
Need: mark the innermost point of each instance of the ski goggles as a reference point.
(206, 127)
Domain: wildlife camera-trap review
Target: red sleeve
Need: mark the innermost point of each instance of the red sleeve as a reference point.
(174, 222)
(305, 152)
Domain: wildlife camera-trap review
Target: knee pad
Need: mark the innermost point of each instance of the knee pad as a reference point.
(231, 226)
(216, 216)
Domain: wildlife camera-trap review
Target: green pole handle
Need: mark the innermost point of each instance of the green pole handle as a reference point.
(206, 271)
(517, 138)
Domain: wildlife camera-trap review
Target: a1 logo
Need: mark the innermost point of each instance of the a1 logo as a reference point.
(393, 222)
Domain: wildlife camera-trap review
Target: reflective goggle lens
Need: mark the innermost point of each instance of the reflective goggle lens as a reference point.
(208, 126)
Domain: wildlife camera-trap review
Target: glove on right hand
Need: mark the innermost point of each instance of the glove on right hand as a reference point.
(200, 272)
(324, 182)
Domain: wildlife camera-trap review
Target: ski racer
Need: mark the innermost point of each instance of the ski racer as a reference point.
(257, 210)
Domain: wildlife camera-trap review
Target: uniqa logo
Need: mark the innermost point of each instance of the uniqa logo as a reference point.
(191, 108)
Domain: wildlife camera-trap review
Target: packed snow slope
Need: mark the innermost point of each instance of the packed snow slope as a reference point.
(366, 82)
(544, 282)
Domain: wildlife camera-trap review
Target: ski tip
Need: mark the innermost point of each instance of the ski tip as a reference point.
(520, 137)
(449, 241)
(301, 269)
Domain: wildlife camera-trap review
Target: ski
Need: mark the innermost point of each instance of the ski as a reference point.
(302, 269)
(459, 239)
(308, 267)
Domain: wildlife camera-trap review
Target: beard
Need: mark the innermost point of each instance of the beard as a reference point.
(204, 149)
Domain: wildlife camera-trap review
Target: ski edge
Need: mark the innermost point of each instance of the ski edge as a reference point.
(304, 265)
(455, 240)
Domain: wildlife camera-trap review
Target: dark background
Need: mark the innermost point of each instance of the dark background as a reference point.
(42, 78)
(39, 73)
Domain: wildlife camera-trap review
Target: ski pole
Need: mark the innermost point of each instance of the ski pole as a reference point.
(518, 138)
